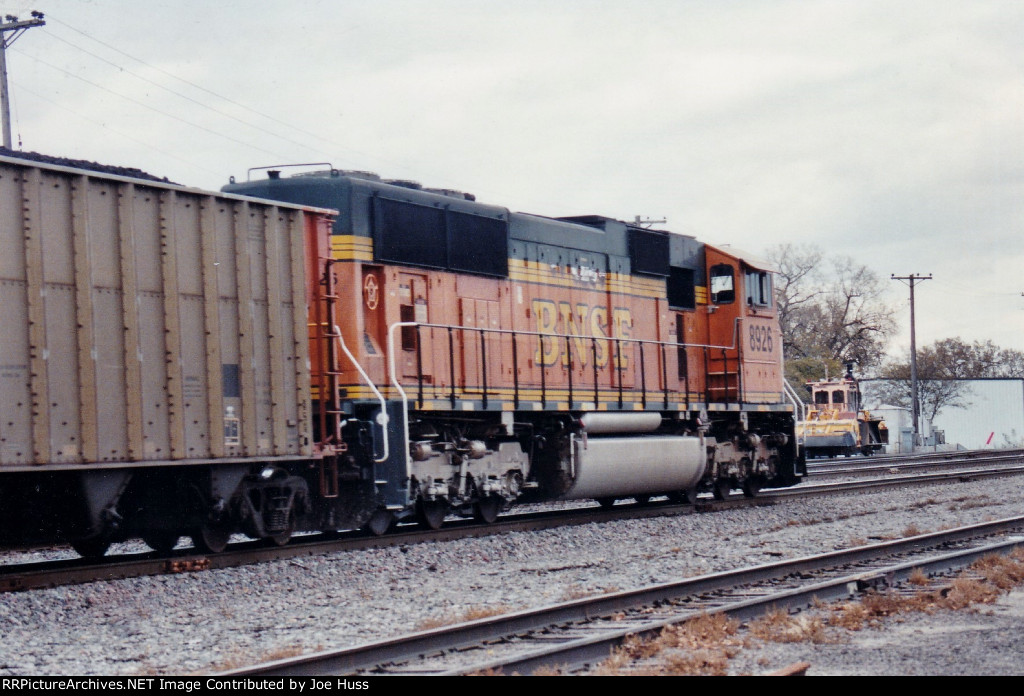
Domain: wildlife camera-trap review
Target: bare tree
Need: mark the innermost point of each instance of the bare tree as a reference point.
(832, 311)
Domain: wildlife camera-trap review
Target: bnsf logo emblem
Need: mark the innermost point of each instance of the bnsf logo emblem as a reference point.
(588, 331)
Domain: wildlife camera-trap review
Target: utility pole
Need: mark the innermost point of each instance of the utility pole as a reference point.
(15, 28)
(911, 280)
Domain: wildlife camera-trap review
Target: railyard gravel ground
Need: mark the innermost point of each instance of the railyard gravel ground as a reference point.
(200, 623)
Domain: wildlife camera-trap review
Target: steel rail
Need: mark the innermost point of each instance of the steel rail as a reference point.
(19, 577)
(869, 466)
(381, 656)
(594, 649)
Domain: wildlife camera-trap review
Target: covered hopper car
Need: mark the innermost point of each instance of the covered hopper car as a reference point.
(331, 350)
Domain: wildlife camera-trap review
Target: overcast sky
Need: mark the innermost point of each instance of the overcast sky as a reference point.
(888, 131)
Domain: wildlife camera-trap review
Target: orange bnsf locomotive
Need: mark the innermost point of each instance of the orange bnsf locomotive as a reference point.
(477, 357)
(332, 351)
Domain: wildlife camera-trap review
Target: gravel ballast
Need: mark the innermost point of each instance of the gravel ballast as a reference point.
(208, 621)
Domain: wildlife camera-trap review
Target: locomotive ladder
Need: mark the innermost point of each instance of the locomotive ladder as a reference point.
(329, 410)
(330, 336)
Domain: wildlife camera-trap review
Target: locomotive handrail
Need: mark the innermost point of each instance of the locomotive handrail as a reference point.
(794, 398)
(401, 392)
(545, 334)
(248, 174)
(618, 340)
(382, 419)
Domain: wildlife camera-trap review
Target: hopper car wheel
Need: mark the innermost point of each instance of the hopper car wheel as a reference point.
(380, 523)
(642, 499)
(432, 513)
(751, 486)
(486, 510)
(91, 548)
(160, 540)
(721, 489)
(687, 497)
(211, 538)
(606, 503)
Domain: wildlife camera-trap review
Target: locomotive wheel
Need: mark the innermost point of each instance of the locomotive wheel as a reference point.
(752, 486)
(93, 547)
(721, 489)
(380, 523)
(162, 541)
(687, 497)
(606, 503)
(211, 538)
(487, 509)
(432, 513)
(285, 535)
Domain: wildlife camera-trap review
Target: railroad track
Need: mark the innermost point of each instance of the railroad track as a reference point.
(575, 635)
(868, 466)
(22, 576)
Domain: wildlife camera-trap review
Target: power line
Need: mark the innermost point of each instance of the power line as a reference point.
(202, 89)
(163, 113)
(184, 96)
(121, 134)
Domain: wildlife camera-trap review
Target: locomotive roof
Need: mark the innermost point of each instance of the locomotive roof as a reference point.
(342, 190)
(751, 260)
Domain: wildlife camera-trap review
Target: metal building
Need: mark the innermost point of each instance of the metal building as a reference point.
(993, 418)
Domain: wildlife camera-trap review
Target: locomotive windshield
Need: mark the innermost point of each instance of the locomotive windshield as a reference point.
(722, 287)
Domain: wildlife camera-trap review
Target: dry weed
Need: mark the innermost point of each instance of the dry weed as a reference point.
(917, 577)
(575, 591)
(548, 671)
(849, 615)
(708, 662)
(778, 626)
(703, 645)
(238, 660)
(470, 614)
(970, 504)
(963, 592)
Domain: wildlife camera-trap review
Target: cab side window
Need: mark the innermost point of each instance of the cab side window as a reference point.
(759, 288)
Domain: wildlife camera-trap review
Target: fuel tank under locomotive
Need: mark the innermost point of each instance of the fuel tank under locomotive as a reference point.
(606, 456)
(606, 462)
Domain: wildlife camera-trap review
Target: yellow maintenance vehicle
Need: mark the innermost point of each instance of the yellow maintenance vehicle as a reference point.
(836, 424)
